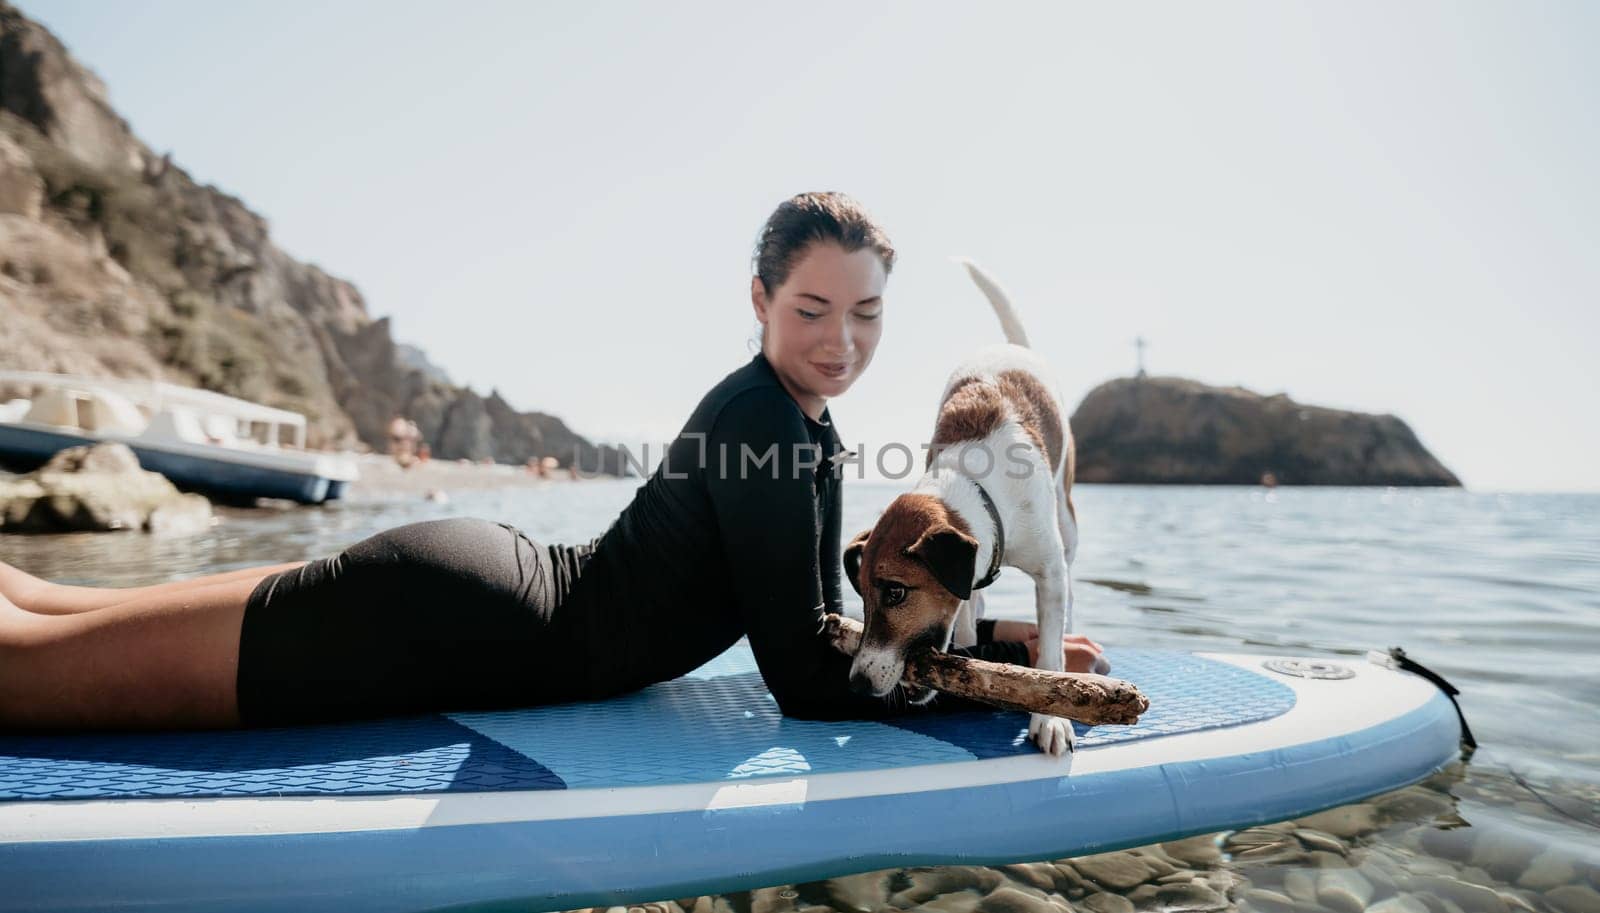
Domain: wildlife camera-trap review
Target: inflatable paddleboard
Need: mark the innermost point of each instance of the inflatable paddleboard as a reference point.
(689, 787)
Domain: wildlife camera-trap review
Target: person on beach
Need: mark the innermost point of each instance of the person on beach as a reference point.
(465, 613)
(402, 440)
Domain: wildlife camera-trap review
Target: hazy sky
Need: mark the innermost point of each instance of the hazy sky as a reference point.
(1383, 206)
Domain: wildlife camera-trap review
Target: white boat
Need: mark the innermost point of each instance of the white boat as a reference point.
(200, 440)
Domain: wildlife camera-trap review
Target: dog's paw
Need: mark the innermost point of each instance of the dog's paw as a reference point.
(1052, 734)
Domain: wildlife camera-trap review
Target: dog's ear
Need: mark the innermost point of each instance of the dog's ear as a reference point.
(852, 559)
(951, 555)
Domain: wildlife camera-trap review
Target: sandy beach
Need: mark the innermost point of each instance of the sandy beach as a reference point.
(382, 478)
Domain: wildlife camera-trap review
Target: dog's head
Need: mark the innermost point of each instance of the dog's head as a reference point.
(912, 569)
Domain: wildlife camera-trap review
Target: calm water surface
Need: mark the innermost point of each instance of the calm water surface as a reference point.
(1500, 593)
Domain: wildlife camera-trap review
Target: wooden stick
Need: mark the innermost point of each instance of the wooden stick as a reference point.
(1092, 699)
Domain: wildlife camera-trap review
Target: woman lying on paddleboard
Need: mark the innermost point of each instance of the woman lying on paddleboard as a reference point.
(466, 613)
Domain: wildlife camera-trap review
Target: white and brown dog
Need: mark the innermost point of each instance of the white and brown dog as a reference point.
(997, 490)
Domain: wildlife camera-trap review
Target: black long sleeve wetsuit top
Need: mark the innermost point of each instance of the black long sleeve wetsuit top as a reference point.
(736, 532)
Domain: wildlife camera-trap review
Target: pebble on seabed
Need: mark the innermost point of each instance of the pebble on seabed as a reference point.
(862, 893)
(1398, 904)
(1343, 890)
(1573, 898)
(1469, 897)
(1107, 903)
(1018, 898)
(1177, 897)
(924, 884)
(776, 899)
(1546, 871)
(1041, 875)
(959, 902)
(1346, 821)
(1300, 885)
(1117, 871)
(1317, 840)
(1200, 851)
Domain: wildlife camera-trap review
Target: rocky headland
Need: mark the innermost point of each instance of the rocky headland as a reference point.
(115, 263)
(1155, 430)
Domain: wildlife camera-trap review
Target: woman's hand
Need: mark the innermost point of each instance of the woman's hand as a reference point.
(1080, 652)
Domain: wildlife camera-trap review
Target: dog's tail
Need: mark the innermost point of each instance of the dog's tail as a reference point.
(1009, 321)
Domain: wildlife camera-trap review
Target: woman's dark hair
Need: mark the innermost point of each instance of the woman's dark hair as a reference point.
(809, 217)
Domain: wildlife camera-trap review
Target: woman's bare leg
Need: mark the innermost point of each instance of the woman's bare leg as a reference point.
(35, 594)
(159, 661)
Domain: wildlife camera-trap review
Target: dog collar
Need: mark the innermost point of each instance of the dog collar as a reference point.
(999, 540)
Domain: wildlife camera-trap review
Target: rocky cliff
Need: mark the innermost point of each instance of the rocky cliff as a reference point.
(1172, 430)
(114, 262)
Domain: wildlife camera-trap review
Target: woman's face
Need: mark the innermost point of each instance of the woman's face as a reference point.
(823, 323)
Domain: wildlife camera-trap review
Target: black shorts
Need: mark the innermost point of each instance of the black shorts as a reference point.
(449, 614)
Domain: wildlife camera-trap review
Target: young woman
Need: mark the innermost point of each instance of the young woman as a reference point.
(736, 533)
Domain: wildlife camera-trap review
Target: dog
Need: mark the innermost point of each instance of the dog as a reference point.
(996, 490)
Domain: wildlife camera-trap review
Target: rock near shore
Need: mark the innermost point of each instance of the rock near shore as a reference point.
(1155, 430)
(95, 489)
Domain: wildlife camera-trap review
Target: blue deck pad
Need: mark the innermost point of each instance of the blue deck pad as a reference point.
(1187, 693)
(419, 754)
(720, 723)
(717, 723)
(698, 730)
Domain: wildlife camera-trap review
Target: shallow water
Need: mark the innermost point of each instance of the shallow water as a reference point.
(1499, 593)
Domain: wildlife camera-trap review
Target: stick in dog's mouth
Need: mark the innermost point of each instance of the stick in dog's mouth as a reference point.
(1088, 698)
(877, 670)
